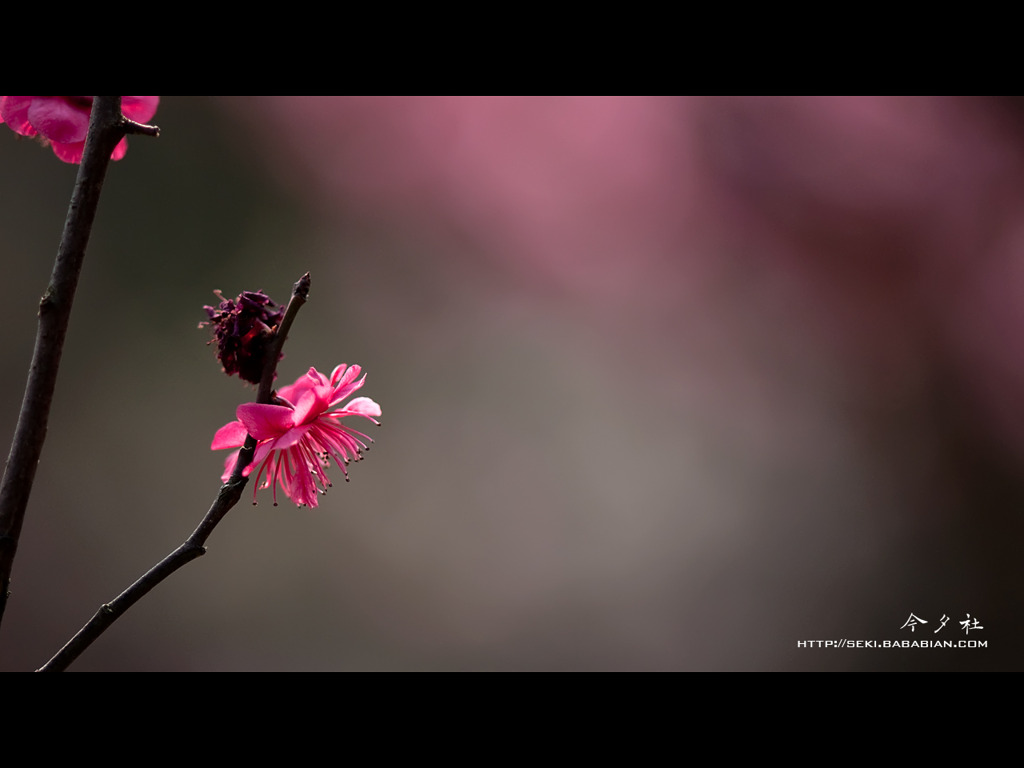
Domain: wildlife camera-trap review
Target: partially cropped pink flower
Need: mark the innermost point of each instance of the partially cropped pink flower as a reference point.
(298, 440)
(63, 121)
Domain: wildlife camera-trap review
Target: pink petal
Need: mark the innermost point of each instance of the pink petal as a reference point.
(287, 395)
(139, 108)
(69, 153)
(312, 403)
(262, 451)
(229, 436)
(229, 466)
(60, 120)
(294, 392)
(346, 377)
(296, 480)
(348, 384)
(265, 421)
(14, 111)
(336, 374)
(291, 437)
(363, 406)
(119, 150)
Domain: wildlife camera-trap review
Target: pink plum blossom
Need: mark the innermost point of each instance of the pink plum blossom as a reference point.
(63, 121)
(298, 438)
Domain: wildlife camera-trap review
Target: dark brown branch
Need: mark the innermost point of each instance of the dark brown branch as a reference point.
(106, 128)
(194, 546)
(131, 127)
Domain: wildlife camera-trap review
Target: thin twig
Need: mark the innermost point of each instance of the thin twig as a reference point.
(194, 546)
(132, 127)
(106, 128)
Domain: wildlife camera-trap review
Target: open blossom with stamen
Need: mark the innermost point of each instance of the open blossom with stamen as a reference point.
(299, 439)
(63, 121)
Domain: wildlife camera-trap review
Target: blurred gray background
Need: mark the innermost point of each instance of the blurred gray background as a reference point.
(667, 384)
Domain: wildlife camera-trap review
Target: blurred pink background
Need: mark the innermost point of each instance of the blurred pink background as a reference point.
(667, 384)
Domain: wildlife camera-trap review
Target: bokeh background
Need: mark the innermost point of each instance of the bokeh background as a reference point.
(667, 384)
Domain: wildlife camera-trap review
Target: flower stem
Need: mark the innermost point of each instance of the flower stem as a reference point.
(106, 128)
(194, 546)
